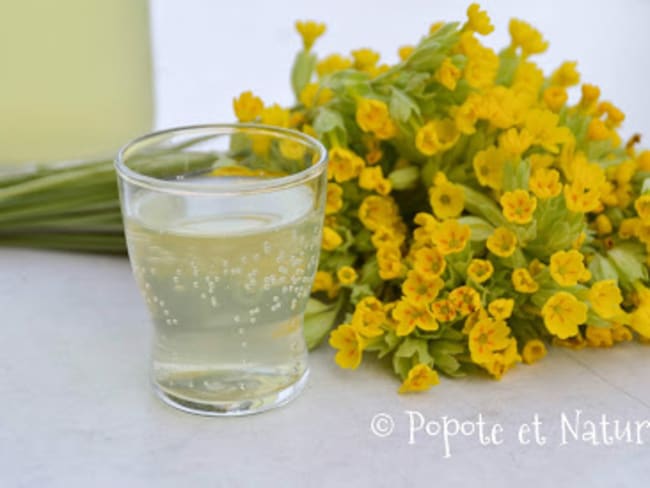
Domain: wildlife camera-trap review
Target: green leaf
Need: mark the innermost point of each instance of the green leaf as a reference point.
(602, 268)
(481, 229)
(515, 175)
(401, 106)
(482, 205)
(508, 63)
(447, 364)
(411, 351)
(303, 68)
(350, 82)
(328, 120)
(384, 344)
(319, 319)
(628, 258)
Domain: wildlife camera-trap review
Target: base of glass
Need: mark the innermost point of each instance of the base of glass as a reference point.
(233, 408)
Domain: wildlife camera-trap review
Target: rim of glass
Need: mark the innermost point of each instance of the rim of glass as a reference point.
(260, 185)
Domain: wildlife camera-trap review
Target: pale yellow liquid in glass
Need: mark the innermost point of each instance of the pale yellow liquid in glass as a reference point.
(226, 283)
(75, 78)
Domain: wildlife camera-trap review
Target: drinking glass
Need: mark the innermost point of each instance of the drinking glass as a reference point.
(223, 225)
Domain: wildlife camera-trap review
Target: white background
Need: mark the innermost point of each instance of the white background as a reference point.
(207, 52)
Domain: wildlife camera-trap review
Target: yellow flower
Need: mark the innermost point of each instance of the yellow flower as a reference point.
(528, 79)
(374, 154)
(566, 75)
(309, 31)
(488, 166)
(481, 68)
(332, 64)
(576, 342)
(584, 192)
(640, 320)
(597, 130)
(478, 20)
(443, 310)
(555, 97)
(383, 186)
(500, 362)
(486, 337)
(501, 308)
(523, 282)
(534, 350)
(518, 206)
(480, 270)
(376, 211)
(465, 300)
(365, 59)
(247, 106)
(643, 160)
(420, 378)
(563, 313)
(466, 114)
(410, 316)
(275, 115)
(620, 333)
(526, 37)
(368, 317)
(606, 298)
(313, 95)
(292, 149)
(419, 289)
(451, 237)
(629, 228)
(389, 270)
(472, 320)
(429, 262)
(346, 275)
(448, 74)
(543, 127)
(502, 242)
(331, 239)
(590, 95)
(642, 207)
(540, 161)
(370, 177)
(545, 183)
(515, 142)
(349, 344)
(404, 52)
(603, 225)
(372, 116)
(599, 336)
(447, 199)
(334, 200)
(614, 115)
(343, 165)
(426, 221)
(324, 281)
(436, 136)
(567, 267)
(387, 236)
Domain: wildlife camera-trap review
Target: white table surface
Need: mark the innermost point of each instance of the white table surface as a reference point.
(77, 409)
(76, 405)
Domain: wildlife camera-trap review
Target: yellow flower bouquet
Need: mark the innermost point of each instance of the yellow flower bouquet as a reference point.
(474, 213)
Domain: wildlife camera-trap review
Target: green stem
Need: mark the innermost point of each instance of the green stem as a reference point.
(72, 242)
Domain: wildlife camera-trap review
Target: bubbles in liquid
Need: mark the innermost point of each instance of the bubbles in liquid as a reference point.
(217, 287)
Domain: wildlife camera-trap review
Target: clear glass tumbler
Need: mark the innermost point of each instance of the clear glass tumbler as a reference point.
(223, 225)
